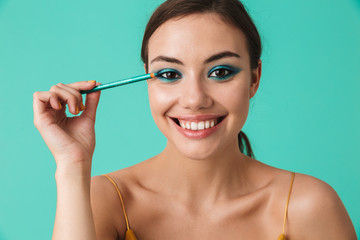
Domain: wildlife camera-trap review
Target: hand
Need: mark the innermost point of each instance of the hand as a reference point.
(71, 140)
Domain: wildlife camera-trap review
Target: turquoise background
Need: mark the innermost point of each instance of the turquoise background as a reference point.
(305, 116)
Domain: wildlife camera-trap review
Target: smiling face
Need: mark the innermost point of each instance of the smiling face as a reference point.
(200, 99)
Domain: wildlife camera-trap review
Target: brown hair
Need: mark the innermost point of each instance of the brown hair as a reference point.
(231, 11)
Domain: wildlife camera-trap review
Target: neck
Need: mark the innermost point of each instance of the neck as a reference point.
(202, 181)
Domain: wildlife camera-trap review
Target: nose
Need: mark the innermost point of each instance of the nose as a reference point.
(195, 94)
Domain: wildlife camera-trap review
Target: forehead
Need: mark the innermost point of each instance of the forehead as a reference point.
(197, 36)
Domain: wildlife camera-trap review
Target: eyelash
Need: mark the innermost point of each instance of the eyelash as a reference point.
(167, 75)
(161, 73)
(230, 70)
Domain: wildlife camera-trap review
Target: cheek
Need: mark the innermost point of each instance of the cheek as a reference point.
(235, 99)
(235, 96)
(160, 99)
(239, 99)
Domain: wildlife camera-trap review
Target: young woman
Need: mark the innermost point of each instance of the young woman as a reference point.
(205, 183)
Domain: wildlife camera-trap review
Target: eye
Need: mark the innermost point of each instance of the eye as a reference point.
(169, 75)
(223, 72)
(220, 73)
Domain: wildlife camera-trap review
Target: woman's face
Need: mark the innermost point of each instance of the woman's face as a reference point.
(200, 100)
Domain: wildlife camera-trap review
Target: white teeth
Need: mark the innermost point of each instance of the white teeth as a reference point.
(198, 125)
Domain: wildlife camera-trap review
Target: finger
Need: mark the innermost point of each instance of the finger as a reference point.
(42, 101)
(91, 104)
(76, 93)
(83, 85)
(67, 97)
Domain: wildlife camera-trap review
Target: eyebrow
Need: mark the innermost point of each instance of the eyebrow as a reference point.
(166, 59)
(221, 55)
(215, 57)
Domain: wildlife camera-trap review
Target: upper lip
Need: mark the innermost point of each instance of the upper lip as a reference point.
(199, 117)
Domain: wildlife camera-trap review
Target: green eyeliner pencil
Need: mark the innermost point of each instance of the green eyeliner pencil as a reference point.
(120, 82)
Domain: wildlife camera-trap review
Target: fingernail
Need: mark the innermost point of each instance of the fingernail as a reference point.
(82, 106)
(91, 81)
(60, 106)
(77, 110)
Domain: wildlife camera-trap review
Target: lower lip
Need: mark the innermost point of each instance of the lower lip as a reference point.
(197, 134)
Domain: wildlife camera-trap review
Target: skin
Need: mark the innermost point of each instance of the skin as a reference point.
(196, 188)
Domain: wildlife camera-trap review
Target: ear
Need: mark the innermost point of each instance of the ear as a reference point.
(145, 68)
(255, 79)
(146, 72)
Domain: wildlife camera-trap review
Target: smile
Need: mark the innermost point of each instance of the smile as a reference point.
(197, 126)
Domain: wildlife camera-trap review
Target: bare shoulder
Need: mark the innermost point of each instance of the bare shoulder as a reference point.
(317, 212)
(106, 207)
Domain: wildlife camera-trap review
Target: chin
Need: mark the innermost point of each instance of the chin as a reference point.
(196, 151)
(198, 155)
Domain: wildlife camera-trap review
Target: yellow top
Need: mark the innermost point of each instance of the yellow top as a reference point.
(130, 235)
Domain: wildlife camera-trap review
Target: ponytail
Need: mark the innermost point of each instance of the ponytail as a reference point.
(244, 144)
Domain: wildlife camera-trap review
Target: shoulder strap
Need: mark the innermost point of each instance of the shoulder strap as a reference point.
(121, 200)
(287, 202)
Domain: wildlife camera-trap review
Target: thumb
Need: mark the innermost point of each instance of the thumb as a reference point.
(91, 103)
